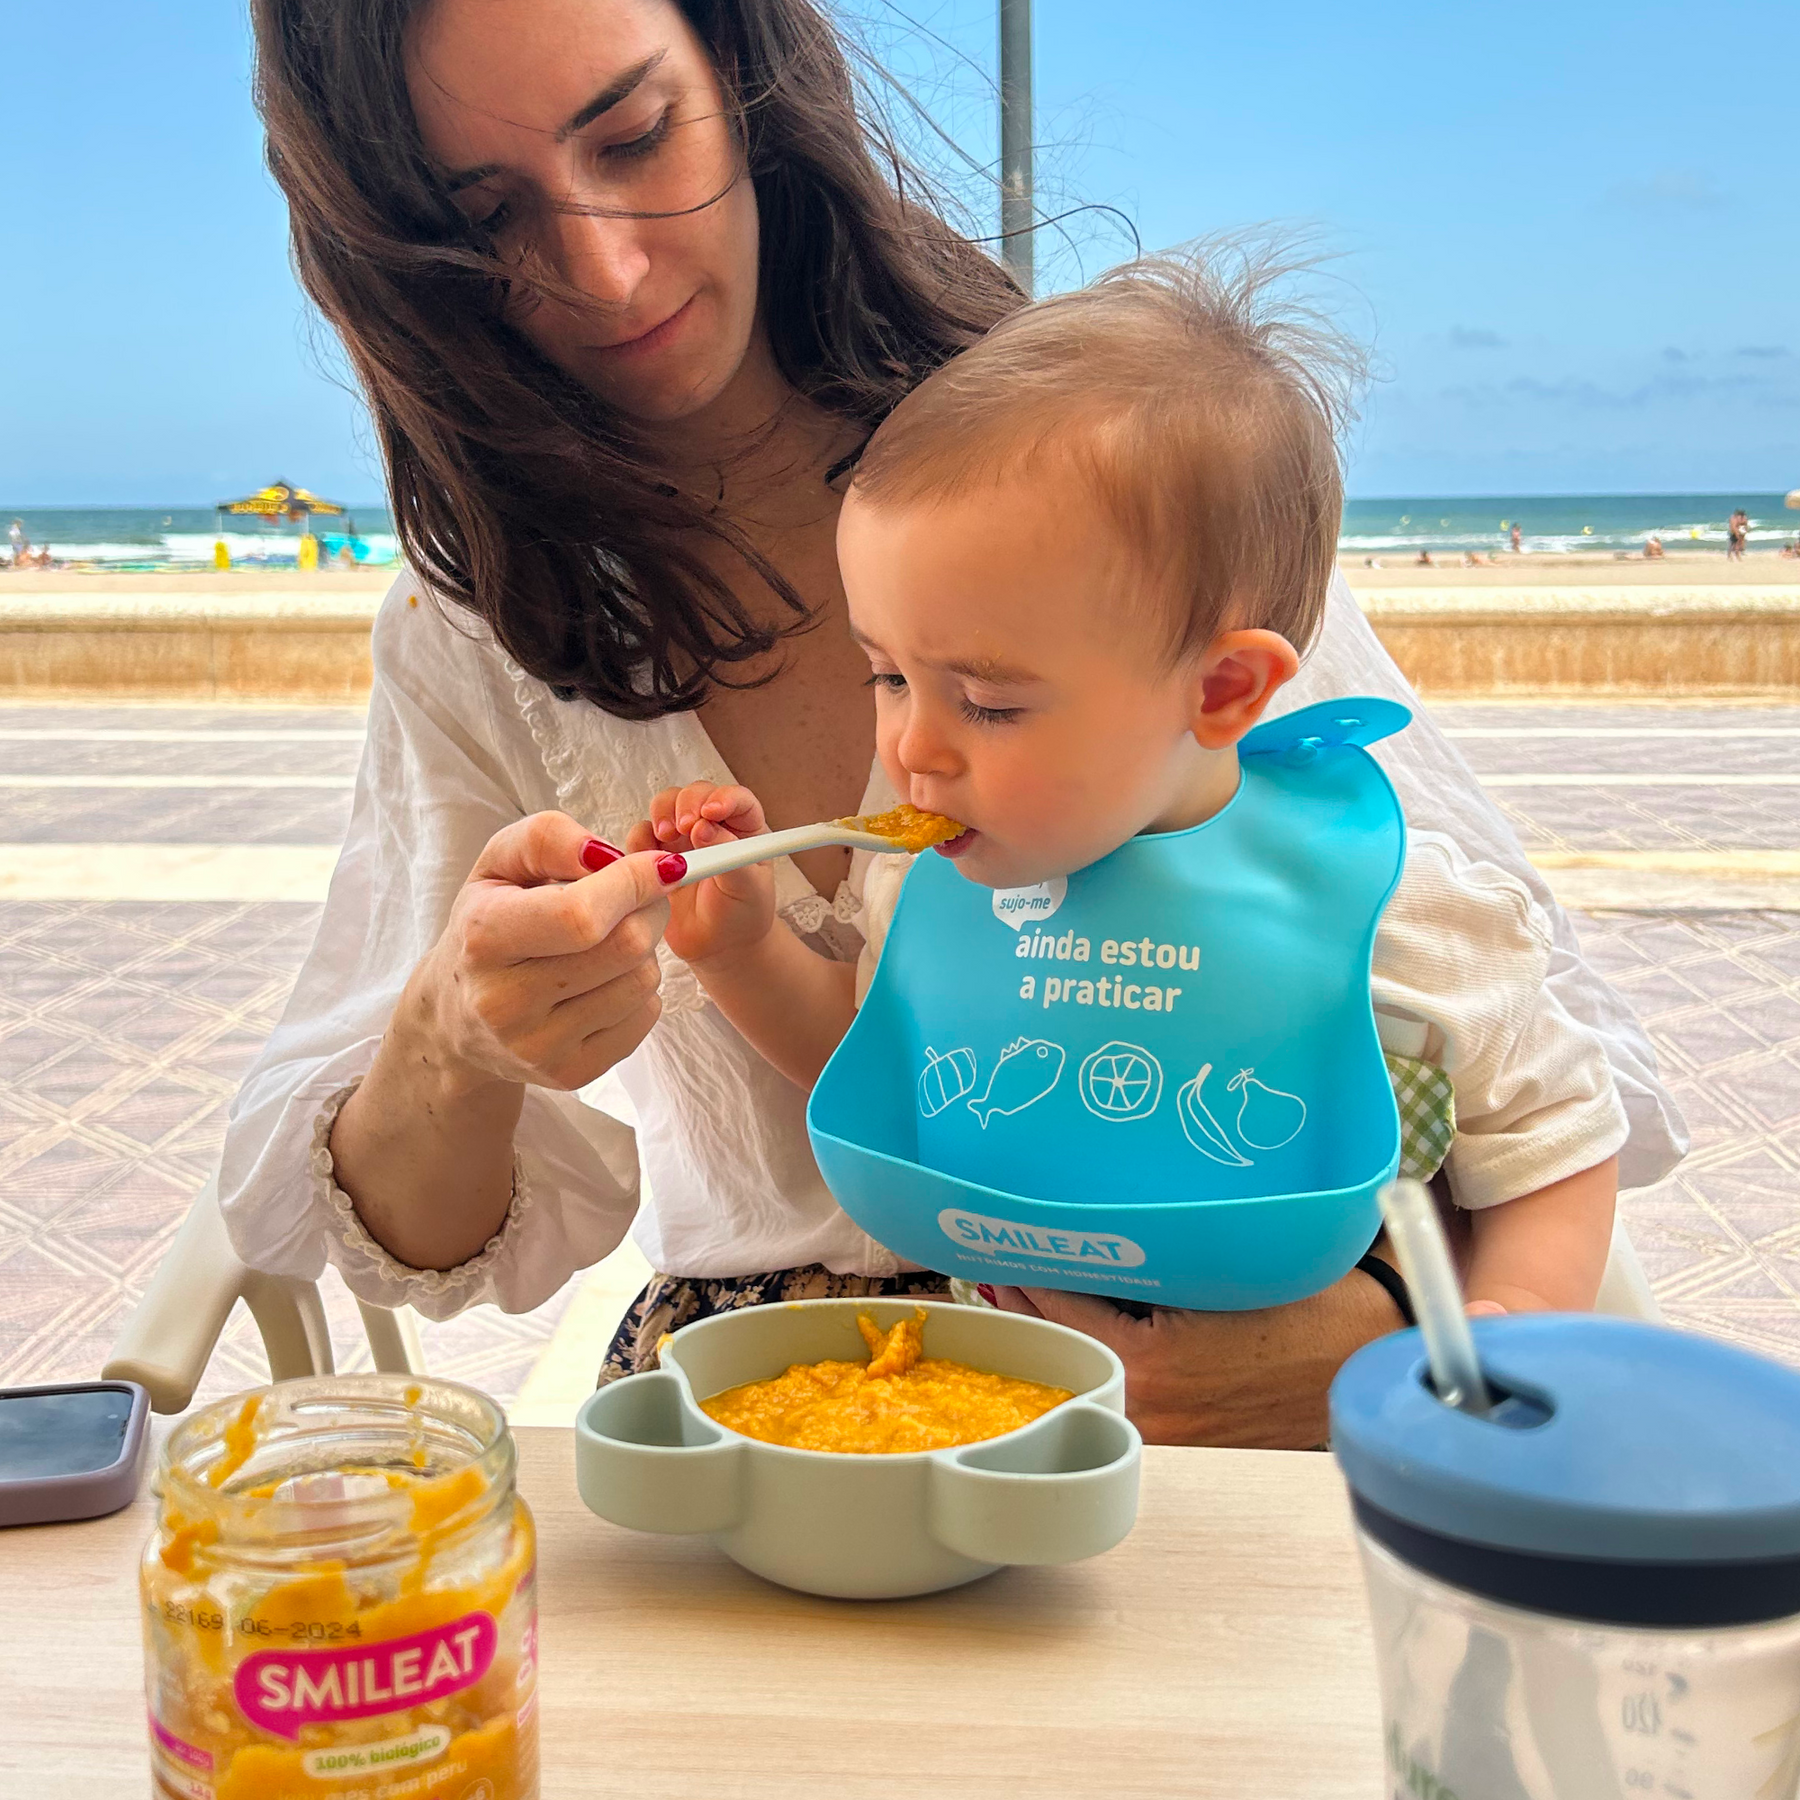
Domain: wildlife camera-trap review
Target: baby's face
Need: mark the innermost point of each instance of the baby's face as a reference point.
(1017, 689)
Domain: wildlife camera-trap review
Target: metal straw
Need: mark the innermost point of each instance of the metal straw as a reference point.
(1412, 1223)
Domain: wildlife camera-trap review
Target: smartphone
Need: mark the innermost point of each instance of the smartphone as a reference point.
(72, 1451)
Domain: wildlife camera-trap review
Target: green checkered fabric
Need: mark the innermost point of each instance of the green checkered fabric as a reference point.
(1427, 1104)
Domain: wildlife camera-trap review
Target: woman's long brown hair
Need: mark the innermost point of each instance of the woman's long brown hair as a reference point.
(515, 492)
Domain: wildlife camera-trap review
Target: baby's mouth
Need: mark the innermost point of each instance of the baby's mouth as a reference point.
(964, 840)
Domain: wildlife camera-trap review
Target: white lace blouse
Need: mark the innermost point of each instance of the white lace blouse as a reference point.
(460, 743)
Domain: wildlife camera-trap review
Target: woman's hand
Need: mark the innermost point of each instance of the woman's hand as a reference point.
(1251, 1380)
(545, 975)
(730, 913)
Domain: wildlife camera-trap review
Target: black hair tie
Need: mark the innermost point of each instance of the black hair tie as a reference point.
(1390, 1279)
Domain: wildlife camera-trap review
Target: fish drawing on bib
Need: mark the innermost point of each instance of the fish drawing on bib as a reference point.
(1027, 1070)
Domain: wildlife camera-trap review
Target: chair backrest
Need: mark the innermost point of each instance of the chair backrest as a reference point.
(170, 1337)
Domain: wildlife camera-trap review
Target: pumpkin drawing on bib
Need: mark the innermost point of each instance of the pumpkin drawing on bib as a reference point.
(944, 1079)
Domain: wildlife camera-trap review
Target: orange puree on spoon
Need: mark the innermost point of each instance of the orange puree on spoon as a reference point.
(900, 1400)
(907, 826)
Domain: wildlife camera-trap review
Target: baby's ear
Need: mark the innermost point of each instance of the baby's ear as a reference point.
(1236, 677)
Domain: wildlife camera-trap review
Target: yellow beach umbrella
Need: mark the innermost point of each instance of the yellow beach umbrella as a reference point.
(1793, 499)
(281, 500)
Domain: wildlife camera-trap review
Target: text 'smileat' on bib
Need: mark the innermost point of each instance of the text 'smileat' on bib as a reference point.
(1158, 1078)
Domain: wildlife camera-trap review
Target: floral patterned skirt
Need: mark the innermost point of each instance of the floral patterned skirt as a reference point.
(669, 1302)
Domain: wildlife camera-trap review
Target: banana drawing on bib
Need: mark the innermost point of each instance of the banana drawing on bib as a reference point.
(1201, 1129)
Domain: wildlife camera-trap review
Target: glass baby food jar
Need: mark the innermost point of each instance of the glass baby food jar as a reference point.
(1592, 1589)
(340, 1598)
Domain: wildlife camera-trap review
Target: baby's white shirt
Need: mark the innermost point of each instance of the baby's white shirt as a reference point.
(1459, 971)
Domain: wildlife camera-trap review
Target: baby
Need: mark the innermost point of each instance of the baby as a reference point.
(1082, 559)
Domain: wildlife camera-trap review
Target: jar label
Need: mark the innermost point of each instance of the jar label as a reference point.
(282, 1690)
(360, 1759)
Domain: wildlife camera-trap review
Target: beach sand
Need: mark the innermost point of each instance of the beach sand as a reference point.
(1676, 572)
(223, 589)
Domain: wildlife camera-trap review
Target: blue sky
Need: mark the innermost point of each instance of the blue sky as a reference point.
(1570, 231)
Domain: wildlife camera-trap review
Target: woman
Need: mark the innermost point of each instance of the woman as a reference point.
(627, 288)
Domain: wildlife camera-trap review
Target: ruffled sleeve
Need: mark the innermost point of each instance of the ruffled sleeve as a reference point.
(447, 762)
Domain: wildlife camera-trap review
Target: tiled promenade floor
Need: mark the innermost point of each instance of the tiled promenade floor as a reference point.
(124, 1026)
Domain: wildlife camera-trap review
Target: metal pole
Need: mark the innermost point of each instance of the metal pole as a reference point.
(1015, 140)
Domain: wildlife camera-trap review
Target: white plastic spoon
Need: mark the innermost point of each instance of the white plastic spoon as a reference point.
(721, 859)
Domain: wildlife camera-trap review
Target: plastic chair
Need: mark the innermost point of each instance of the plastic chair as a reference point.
(170, 1336)
(1624, 1288)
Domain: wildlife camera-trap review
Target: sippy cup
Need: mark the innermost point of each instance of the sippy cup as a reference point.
(1589, 1583)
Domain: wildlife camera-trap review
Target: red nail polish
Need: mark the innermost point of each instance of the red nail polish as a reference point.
(671, 868)
(987, 1293)
(596, 853)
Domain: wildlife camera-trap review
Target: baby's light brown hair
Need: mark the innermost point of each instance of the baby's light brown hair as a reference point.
(1199, 406)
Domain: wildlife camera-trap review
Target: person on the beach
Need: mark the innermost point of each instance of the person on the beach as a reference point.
(1653, 546)
(1517, 541)
(1082, 559)
(627, 295)
(1737, 533)
(21, 544)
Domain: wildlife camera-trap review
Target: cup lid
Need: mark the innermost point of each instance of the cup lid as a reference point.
(1614, 1443)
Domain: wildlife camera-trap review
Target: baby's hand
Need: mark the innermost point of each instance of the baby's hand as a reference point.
(731, 912)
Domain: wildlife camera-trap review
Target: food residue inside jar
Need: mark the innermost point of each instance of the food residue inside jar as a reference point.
(278, 1674)
(908, 827)
(899, 1400)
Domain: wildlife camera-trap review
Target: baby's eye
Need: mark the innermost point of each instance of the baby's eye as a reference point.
(889, 679)
(990, 715)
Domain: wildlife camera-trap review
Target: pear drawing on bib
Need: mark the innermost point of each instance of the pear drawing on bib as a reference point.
(1267, 1118)
(1201, 1129)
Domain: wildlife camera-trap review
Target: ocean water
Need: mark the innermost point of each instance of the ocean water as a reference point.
(182, 537)
(1558, 525)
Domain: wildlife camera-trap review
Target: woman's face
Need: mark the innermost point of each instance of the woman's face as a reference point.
(556, 121)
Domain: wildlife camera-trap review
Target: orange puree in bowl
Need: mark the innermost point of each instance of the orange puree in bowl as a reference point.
(908, 827)
(899, 1400)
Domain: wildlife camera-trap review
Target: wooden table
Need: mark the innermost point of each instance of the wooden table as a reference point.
(1222, 1650)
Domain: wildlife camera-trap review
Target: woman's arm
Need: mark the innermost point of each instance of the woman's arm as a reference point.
(1243, 1380)
(449, 762)
(544, 976)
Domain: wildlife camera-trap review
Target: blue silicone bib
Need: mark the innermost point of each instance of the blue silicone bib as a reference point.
(1158, 1078)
